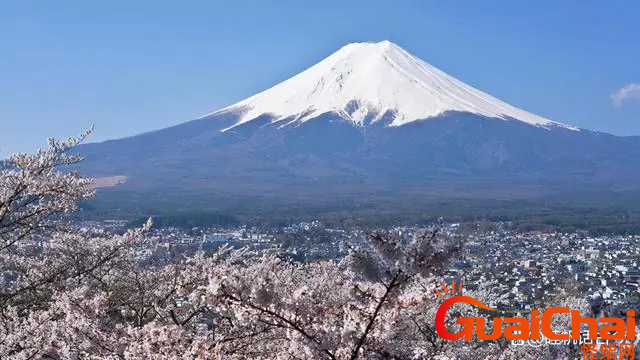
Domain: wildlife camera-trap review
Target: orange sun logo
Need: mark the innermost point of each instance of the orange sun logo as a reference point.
(442, 310)
(453, 289)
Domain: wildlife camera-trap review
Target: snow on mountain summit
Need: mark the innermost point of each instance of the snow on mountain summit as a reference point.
(363, 80)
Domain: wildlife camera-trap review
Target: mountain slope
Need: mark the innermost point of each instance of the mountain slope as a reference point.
(369, 120)
(370, 79)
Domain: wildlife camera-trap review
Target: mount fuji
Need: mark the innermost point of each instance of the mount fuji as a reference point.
(368, 119)
(368, 80)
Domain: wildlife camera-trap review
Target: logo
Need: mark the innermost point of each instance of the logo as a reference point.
(520, 328)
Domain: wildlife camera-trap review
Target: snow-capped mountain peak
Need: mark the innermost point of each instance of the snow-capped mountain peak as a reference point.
(363, 80)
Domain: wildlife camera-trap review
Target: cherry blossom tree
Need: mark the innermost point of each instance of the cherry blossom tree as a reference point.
(68, 294)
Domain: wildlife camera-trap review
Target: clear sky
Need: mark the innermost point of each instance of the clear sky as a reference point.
(134, 66)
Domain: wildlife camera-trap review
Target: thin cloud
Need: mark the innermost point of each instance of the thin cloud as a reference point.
(629, 92)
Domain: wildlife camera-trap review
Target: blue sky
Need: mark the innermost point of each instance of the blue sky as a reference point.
(134, 66)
